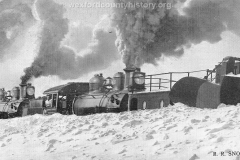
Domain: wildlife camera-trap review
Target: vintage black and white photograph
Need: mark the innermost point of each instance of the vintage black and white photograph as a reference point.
(119, 79)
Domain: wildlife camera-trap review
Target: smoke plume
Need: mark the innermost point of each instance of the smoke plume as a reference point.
(145, 34)
(55, 59)
(15, 17)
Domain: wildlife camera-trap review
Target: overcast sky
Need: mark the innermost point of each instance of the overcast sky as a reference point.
(201, 56)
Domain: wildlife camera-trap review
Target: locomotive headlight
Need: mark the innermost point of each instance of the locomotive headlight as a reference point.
(139, 78)
(30, 91)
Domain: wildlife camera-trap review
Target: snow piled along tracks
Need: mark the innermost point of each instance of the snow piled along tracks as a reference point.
(177, 132)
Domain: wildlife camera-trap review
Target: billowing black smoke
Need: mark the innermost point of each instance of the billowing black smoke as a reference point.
(15, 17)
(55, 59)
(145, 34)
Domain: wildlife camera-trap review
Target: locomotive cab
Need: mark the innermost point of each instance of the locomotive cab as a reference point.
(60, 99)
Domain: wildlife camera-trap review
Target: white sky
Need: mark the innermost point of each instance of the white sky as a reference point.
(202, 56)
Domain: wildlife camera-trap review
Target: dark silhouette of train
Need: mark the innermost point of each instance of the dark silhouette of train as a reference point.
(132, 90)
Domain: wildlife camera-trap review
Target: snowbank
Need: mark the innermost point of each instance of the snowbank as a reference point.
(171, 133)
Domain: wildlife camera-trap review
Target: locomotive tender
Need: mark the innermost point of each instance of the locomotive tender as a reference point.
(128, 92)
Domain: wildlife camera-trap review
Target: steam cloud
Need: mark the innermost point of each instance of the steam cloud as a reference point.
(15, 18)
(78, 37)
(145, 34)
(55, 59)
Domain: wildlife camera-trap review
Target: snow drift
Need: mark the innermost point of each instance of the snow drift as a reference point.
(177, 132)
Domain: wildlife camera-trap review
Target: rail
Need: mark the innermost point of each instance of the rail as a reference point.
(210, 72)
(165, 80)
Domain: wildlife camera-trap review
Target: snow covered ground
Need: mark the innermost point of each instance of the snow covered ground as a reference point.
(172, 133)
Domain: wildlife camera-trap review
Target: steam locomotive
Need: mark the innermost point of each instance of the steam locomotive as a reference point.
(127, 92)
(121, 93)
(19, 102)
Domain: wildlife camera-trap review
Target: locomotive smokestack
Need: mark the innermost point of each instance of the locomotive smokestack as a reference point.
(23, 91)
(128, 77)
